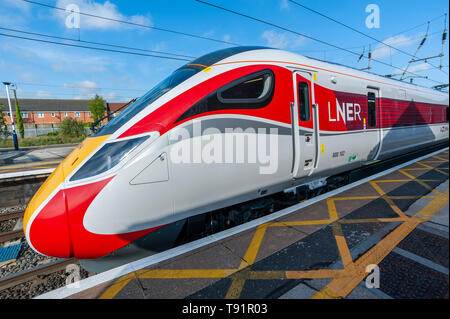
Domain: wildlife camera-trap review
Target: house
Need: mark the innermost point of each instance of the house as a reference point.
(53, 111)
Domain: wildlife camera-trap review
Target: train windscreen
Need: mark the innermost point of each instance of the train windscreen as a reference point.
(176, 78)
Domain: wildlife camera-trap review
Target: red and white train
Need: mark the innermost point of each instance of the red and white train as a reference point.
(122, 185)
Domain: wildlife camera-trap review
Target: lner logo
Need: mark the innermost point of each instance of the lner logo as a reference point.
(346, 112)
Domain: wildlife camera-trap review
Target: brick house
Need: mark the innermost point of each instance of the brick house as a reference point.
(52, 111)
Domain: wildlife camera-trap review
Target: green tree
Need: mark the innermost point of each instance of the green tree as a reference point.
(72, 128)
(19, 117)
(3, 127)
(97, 108)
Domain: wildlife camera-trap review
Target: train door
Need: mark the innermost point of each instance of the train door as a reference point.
(305, 122)
(373, 136)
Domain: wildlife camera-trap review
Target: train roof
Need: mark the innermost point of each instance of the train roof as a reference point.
(219, 55)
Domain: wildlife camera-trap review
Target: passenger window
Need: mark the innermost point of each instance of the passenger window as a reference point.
(303, 102)
(250, 89)
(372, 108)
(254, 91)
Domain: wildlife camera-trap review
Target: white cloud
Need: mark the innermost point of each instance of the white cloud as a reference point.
(414, 69)
(397, 41)
(29, 77)
(106, 9)
(21, 5)
(227, 38)
(61, 60)
(281, 40)
(85, 89)
(113, 97)
(419, 67)
(208, 33)
(43, 95)
(161, 46)
(284, 5)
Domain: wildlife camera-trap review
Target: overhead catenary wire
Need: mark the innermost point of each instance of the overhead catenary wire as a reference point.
(95, 43)
(444, 38)
(94, 48)
(369, 59)
(77, 87)
(417, 51)
(393, 35)
(360, 32)
(88, 95)
(300, 34)
(133, 23)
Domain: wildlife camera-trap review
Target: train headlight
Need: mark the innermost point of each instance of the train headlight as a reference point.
(107, 157)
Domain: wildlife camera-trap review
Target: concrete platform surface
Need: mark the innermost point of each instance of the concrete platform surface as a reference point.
(33, 158)
(387, 238)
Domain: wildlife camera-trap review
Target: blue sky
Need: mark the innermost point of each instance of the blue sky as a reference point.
(52, 71)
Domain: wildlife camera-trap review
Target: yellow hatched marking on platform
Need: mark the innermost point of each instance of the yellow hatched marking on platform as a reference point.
(249, 258)
(440, 158)
(355, 198)
(344, 280)
(27, 165)
(389, 201)
(117, 286)
(184, 273)
(315, 274)
(302, 223)
(376, 197)
(343, 249)
(404, 180)
(410, 197)
(332, 209)
(373, 220)
(433, 162)
(437, 169)
(413, 179)
(341, 287)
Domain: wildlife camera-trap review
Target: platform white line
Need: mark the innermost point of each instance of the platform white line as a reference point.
(375, 291)
(26, 173)
(120, 271)
(423, 261)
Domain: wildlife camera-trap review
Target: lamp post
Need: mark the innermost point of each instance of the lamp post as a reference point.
(16, 143)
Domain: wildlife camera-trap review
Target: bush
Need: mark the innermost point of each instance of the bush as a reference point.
(72, 128)
(3, 128)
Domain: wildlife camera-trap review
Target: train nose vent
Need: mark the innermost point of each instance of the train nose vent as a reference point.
(49, 232)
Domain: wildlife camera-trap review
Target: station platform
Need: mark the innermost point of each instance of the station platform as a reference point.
(33, 158)
(397, 220)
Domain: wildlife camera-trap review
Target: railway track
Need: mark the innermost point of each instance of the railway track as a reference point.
(12, 215)
(18, 191)
(32, 274)
(40, 279)
(14, 234)
(15, 193)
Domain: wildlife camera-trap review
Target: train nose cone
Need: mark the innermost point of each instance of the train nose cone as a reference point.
(46, 224)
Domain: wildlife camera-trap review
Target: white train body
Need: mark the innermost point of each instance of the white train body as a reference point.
(232, 126)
